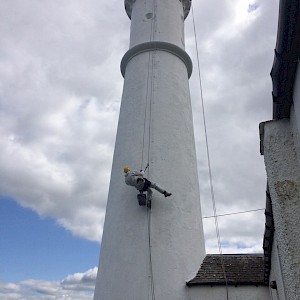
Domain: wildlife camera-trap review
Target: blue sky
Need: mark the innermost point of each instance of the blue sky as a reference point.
(38, 248)
(60, 92)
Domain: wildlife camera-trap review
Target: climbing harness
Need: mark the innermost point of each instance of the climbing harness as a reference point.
(142, 198)
(147, 184)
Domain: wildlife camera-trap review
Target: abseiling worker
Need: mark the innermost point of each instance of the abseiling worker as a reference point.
(137, 180)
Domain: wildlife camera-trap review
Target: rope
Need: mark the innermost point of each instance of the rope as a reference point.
(208, 158)
(149, 96)
(153, 24)
(150, 57)
(145, 113)
(150, 254)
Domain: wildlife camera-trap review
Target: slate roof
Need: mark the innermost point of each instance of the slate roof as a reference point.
(241, 269)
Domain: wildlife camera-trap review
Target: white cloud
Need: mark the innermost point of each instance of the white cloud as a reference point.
(60, 91)
(81, 281)
(59, 100)
(76, 286)
(236, 53)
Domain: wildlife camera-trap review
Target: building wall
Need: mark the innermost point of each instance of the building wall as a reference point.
(281, 151)
(234, 293)
(276, 274)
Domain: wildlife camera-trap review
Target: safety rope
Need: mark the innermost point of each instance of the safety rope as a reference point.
(142, 164)
(208, 159)
(145, 113)
(149, 96)
(150, 255)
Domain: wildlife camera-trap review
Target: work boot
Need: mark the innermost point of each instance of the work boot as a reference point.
(167, 194)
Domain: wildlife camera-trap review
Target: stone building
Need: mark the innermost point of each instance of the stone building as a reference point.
(280, 145)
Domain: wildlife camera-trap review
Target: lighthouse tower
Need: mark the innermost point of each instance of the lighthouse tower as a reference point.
(151, 253)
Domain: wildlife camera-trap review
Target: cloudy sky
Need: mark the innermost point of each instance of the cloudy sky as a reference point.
(60, 91)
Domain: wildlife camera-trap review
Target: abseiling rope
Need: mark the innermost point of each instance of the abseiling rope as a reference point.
(208, 159)
(149, 96)
(150, 254)
(148, 157)
(145, 114)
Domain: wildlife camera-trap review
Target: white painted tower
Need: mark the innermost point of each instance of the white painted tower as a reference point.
(150, 254)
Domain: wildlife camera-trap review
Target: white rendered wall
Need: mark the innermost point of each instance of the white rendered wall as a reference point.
(276, 274)
(157, 20)
(234, 293)
(155, 112)
(283, 172)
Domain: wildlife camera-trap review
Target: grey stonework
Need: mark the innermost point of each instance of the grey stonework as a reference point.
(283, 172)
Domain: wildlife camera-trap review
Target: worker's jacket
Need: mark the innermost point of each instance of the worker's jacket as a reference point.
(131, 178)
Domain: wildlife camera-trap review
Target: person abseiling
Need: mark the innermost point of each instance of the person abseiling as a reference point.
(137, 180)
